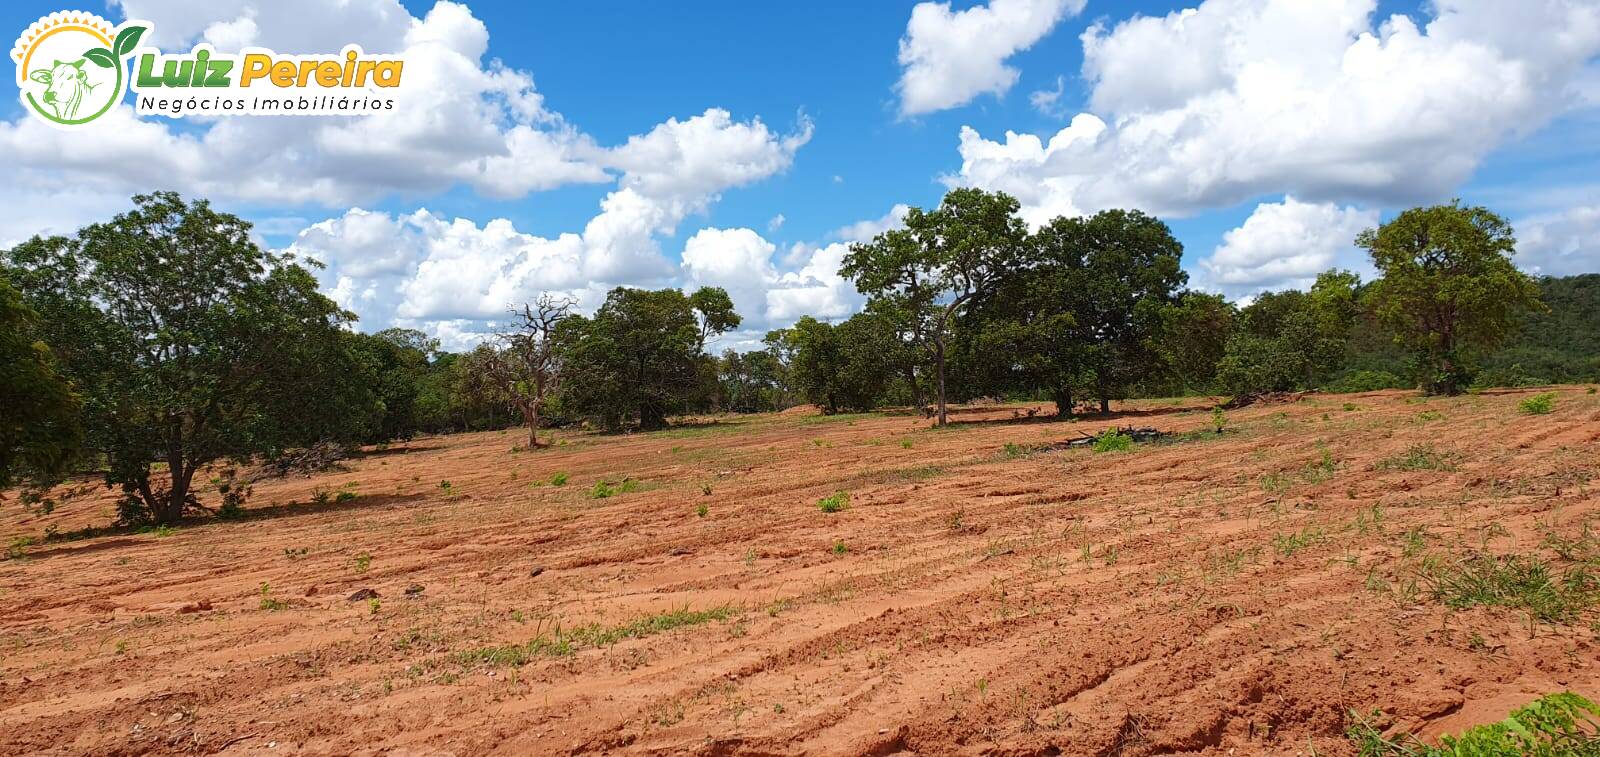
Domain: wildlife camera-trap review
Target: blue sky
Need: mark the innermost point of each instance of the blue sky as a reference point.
(1263, 188)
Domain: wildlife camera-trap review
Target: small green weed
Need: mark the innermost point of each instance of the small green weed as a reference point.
(838, 501)
(1538, 404)
(603, 489)
(1112, 440)
(1417, 457)
(1288, 544)
(1514, 581)
(269, 602)
(18, 548)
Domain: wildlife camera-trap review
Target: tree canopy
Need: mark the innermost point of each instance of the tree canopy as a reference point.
(640, 353)
(190, 344)
(1448, 289)
(39, 431)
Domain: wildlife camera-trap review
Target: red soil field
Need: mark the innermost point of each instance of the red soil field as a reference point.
(1234, 593)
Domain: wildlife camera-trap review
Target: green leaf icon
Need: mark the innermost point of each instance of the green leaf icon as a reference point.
(100, 57)
(127, 39)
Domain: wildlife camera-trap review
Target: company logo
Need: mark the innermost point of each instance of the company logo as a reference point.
(69, 66)
(72, 67)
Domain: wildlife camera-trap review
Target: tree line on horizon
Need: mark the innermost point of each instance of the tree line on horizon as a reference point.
(163, 349)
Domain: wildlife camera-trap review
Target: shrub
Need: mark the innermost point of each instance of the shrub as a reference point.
(1366, 381)
(1513, 376)
(559, 479)
(1219, 419)
(1112, 440)
(838, 501)
(1538, 404)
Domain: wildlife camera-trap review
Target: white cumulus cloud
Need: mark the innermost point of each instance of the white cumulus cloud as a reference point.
(1560, 243)
(1235, 99)
(950, 57)
(454, 277)
(1284, 245)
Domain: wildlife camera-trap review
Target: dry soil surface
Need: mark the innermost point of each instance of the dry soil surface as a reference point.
(1234, 593)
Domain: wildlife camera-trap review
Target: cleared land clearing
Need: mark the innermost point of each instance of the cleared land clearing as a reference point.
(693, 590)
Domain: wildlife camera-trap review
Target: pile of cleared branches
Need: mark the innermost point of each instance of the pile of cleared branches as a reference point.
(1140, 435)
(319, 457)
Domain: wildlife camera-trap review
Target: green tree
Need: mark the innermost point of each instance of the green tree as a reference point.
(1194, 337)
(1291, 340)
(39, 431)
(714, 310)
(750, 382)
(1024, 334)
(844, 366)
(190, 345)
(641, 355)
(1131, 275)
(932, 269)
(397, 359)
(1448, 289)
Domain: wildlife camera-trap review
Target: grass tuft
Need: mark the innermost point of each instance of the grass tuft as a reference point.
(560, 643)
(1514, 581)
(1417, 457)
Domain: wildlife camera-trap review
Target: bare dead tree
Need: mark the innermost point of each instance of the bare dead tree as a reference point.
(523, 361)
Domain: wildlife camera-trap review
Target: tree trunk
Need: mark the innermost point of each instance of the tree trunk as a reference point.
(938, 349)
(168, 510)
(1105, 405)
(916, 387)
(651, 417)
(1063, 400)
(531, 416)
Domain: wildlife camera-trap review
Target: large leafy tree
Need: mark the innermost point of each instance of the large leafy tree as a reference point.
(1448, 288)
(931, 270)
(1082, 313)
(1131, 275)
(39, 430)
(641, 355)
(1025, 334)
(190, 345)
